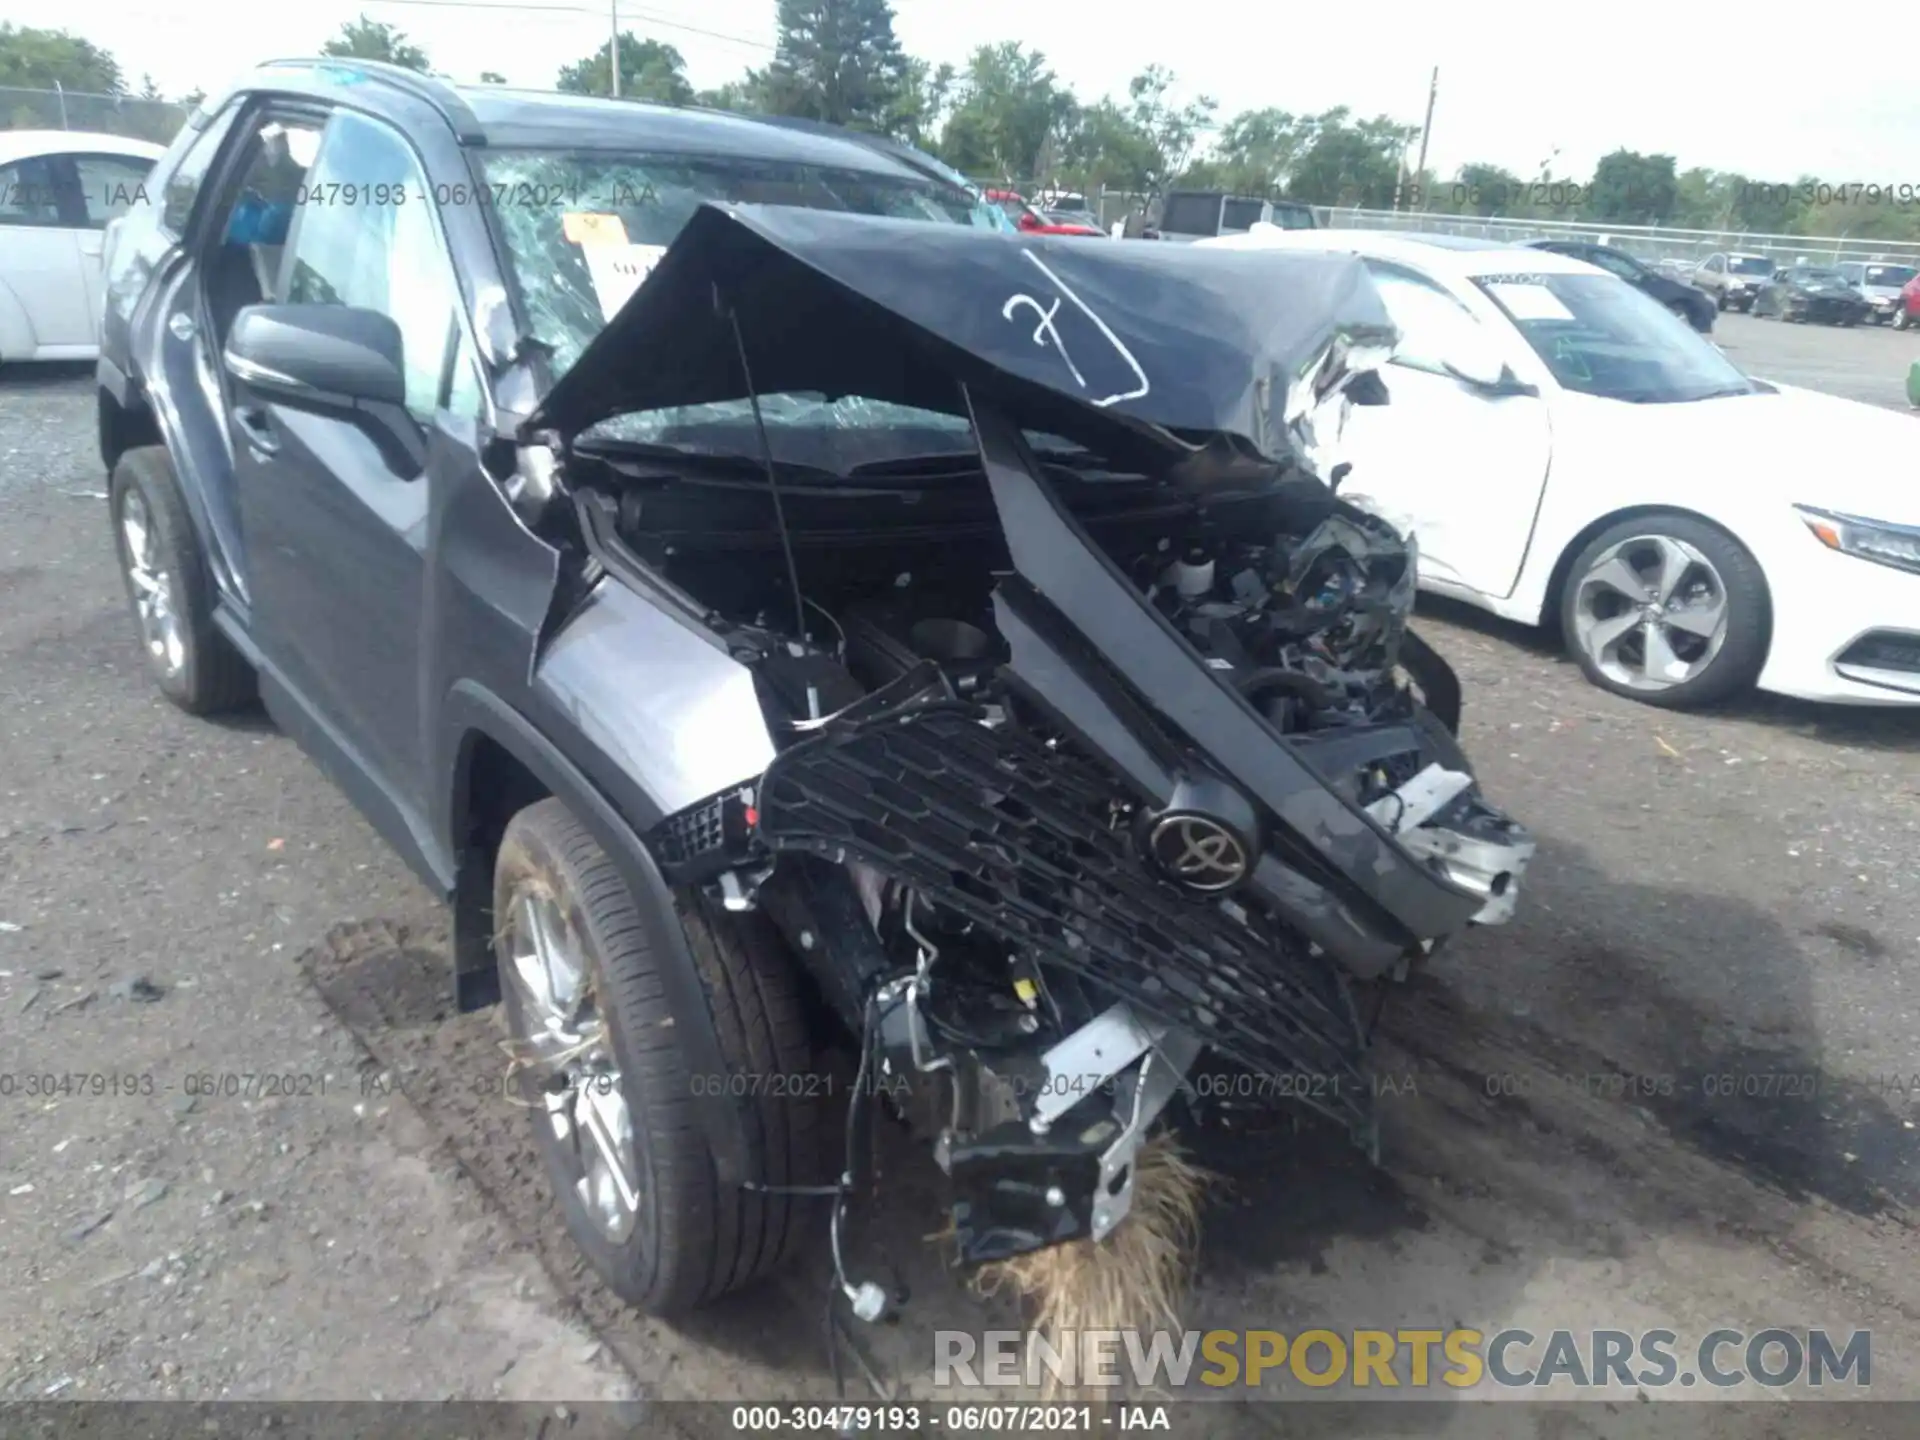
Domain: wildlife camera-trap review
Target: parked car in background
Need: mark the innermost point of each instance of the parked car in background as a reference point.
(59, 191)
(1819, 294)
(1084, 218)
(1906, 313)
(1689, 303)
(1881, 282)
(1733, 279)
(1189, 215)
(1029, 220)
(1690, 531)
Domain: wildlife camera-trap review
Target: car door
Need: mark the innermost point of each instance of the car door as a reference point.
(246, 165)
(1710, 277)
(335, 532)
(109, 186)
(1462, 469)
(44, 307)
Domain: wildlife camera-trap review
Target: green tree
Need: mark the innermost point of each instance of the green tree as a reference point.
(366, 39)
(194, 98)
(649, 70)
(1351, 163)
(1174, 131)
(1480, 189)
(1633, 189)
(492, 77)
(1009, 111)
(1105, 148)
(1257, 150)
(837, 61)
(744, 96)
(920, 108)
(34, 59)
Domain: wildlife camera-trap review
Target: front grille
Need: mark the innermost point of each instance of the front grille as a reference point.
(1024, 839)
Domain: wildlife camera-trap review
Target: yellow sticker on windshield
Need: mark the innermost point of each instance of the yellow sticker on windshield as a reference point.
(584, 228)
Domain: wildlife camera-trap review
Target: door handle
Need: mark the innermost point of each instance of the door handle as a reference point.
(252, 423)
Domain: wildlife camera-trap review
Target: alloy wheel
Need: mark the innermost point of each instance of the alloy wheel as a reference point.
(153, 598)
(1651, 612)
(566, 1048)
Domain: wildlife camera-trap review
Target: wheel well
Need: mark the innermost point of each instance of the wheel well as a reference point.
(493, 785)
(1556, 598)
(124, 428)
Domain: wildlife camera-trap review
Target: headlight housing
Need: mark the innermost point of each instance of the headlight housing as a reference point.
(1876, 540)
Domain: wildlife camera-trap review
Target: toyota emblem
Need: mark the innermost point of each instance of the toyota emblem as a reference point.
(1199, 853)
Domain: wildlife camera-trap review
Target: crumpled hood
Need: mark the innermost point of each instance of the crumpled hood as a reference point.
(1115, 346)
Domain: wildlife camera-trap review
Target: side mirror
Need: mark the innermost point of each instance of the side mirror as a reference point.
(1478, 365)
(330, 360)
(1028, 222)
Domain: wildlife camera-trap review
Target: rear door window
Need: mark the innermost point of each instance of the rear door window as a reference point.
(111, 185)
(30, 193)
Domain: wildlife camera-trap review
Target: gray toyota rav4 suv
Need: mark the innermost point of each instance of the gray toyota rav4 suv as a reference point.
(787, 616)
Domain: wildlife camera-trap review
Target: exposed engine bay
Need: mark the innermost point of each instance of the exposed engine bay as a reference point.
(1095, 760)
(1033, 929)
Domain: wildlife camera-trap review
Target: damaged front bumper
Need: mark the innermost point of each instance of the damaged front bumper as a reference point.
(1206, 883)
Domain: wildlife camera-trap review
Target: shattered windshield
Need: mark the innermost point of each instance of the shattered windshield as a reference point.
(583, 230)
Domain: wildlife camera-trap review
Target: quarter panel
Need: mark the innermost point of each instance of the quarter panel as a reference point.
(673, 712)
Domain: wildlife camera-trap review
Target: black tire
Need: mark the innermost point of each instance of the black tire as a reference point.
(693, 1239)
(1742, 652)
(212, 676)
(1900, 320)
(1720, 301)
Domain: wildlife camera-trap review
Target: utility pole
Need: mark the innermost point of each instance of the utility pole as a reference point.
(613, 45)
(1433, 90)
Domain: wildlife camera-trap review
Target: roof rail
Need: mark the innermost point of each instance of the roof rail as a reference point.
(435, 91)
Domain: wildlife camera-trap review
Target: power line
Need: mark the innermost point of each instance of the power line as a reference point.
(664, 21)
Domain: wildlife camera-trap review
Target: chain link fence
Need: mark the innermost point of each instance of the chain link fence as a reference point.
(155, 120)
(1680, 248)
(1650, 243)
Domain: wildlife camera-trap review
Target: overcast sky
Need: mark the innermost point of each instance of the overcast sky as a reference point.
(1517, 81)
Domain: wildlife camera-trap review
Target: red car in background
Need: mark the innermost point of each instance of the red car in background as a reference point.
(1026, 218)
(1906, 314)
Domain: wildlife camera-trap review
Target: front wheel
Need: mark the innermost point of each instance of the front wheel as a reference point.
(613, 1102)
(1668, 610)
(1900, 320)
(170, 590)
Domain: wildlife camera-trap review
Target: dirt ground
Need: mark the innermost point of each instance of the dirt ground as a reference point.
(296, 1177)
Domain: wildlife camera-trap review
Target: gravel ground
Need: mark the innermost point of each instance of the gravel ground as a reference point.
(1716, 898)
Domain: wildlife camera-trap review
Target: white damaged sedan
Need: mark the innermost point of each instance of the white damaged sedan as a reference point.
(1570, 453)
